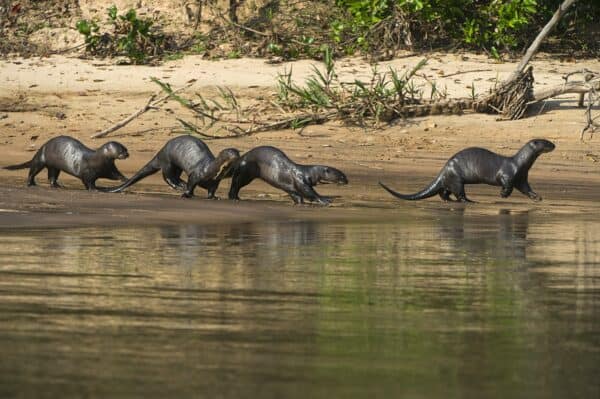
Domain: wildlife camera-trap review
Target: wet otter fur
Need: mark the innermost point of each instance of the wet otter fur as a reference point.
(481, 166)
(69, 155)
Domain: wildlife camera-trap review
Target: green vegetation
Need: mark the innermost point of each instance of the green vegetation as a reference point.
(386, 96)
(286, 29)
(129, 36)
(487, 25)
(380, 27)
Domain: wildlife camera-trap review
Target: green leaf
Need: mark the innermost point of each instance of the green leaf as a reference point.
(83, 26)
(112, 12)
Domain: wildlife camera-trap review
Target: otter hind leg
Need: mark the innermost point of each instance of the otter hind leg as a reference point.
(35, 168)
(445, 195)
(172, 176)
(458, 189)
(53, 177)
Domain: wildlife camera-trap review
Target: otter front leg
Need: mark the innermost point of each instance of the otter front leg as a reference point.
(297, 198)
(116, 175)
(506, 191)
(211, 186)
(89, 181)
(90, 185)
(310, 194)
(239, 179)
(526, 189)
(507, 186)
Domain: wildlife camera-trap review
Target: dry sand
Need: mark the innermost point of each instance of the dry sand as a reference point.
(78, 98)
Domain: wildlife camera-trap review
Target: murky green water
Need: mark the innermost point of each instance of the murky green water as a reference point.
(452, 306)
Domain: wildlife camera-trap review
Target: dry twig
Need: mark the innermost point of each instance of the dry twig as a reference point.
(150, 104)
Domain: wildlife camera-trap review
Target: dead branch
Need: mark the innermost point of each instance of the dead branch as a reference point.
(198, 17)
(150, 104)
(125, 121)
(591, 125)
(463, 72)
(300, 120)
(535, 45)
(230, 21)
(566, 88)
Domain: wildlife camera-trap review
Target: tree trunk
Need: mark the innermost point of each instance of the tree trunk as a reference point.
(534, 47)
(233, 5)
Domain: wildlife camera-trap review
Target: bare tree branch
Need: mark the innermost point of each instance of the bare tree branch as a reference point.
(534, 47)
(150, 104)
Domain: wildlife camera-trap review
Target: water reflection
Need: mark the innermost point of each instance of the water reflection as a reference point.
(454, 305)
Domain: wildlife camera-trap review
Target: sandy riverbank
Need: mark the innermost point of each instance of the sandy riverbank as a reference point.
(77, 98)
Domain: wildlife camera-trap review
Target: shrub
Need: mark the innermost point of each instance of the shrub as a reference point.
(130, 36)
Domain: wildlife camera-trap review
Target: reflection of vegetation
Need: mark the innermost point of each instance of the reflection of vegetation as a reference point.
(448, 305)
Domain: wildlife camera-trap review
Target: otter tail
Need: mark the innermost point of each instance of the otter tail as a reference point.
(433, 189)
(151, 168)
(23, 165)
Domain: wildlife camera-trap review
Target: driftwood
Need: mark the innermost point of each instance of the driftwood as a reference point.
(463, 72)
(514, 94)
(535, 45)
(566, 88)
(150, 104)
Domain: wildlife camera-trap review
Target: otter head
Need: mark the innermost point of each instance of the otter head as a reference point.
(332, 175)
(114, 150)
(225, 159)
(540, 145)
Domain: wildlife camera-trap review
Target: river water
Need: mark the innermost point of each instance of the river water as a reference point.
(453, 305)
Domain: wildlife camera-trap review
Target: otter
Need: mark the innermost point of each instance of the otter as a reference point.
(274, 167)
(190, 155)
(66, 154)
(478, 165)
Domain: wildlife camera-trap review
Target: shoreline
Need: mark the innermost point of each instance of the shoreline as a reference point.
(405, 155)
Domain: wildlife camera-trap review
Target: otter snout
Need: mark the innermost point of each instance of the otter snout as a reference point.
(343, 180)
(542, 146)
(332, 175)
(549, 147)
